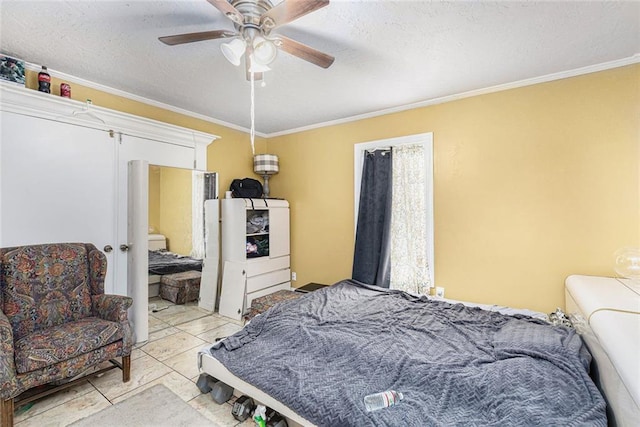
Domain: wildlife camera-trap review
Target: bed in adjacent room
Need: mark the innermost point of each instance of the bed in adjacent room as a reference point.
(163, 262)
(315, 358)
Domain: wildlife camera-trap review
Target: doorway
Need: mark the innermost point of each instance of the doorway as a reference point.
(174, 229)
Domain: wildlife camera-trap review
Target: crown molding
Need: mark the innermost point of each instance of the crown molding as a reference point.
(498, 88)
(20, 100)
(133, 97)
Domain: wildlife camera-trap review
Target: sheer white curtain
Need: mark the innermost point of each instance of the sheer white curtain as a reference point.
(409, 260)
(197, 211)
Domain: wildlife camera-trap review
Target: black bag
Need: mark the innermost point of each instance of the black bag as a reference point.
(246, 188)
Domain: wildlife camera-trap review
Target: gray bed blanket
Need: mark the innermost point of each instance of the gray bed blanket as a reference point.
(323, 353)
(165, 262)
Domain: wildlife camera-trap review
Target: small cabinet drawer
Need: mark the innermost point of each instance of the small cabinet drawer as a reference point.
(259, 266)
(269, 279)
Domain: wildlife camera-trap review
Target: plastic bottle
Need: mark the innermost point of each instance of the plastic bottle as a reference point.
(260, 416)
(44, 80)
(65, 90)
(376, 401)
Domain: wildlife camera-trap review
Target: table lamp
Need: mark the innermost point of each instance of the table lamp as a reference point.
(265, 165)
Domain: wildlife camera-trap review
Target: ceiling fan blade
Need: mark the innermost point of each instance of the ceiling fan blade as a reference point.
(229, 11)
(288, 11)
(304, 52)
(196, 37)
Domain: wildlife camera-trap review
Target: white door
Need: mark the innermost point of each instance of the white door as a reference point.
(138, 255)
(279, 232)
(57, 184)
(209, 279)
(234, 287)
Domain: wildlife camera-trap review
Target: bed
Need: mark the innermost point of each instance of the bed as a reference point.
(315, 358)
(163, 262)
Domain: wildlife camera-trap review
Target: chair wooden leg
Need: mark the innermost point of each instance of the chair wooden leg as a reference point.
(126, 368)
(6, 412)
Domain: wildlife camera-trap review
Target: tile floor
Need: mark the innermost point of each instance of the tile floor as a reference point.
(176, 333)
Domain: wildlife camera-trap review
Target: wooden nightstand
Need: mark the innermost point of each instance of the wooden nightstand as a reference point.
(310, 287)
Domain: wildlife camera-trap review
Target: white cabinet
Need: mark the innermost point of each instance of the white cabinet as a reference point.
(255, 252)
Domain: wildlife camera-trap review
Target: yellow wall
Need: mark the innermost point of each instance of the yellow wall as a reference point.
(170, 206)
(531, 185)
(176, 208)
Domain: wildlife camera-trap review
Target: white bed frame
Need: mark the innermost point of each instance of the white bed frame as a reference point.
(211, 366)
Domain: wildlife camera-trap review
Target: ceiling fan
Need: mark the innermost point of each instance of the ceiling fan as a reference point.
(254, 20)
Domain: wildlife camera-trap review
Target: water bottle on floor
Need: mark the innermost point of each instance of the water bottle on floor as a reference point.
(376, 401)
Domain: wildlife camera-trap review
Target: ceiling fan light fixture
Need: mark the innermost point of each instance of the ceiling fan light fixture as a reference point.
(264, 51)
(233, 50)
(256, 66)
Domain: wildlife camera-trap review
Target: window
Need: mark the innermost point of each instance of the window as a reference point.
(404, 201)
(204, 187)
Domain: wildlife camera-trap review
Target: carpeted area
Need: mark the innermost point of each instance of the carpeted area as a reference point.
(156, 406)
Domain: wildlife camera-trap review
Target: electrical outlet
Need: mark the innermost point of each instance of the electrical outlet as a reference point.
(439, 292)
(294, 276)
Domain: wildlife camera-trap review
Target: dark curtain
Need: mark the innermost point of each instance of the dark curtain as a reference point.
(371, 262)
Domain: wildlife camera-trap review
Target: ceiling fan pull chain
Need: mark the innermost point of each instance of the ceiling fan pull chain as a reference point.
(253, 115)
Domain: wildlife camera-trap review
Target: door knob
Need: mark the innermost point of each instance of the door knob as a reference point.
(124, 248)
(107, 248)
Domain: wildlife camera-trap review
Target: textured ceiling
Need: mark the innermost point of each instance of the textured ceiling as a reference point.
(388, 53)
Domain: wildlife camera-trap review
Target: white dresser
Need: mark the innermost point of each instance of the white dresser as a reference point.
(606, 312)
(255, 252)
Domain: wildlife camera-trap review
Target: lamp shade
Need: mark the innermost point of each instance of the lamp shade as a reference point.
(628, 263)
(257, 67)
(264, 51)
(233, 50)
(265, 164)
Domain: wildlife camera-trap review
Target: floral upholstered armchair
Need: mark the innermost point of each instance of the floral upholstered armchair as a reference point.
(55, 320)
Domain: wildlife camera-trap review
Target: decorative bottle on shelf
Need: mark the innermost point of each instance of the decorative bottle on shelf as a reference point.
(65, 90)
(376, 401)
(44, 80)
